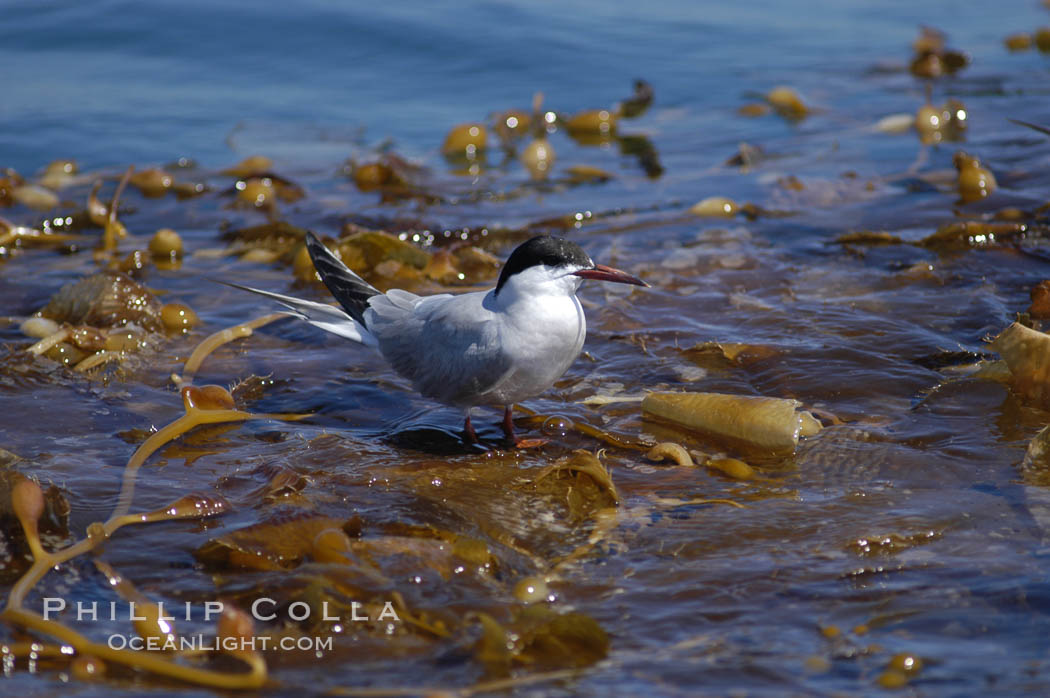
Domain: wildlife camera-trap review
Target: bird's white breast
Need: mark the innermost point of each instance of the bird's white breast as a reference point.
(542, 338)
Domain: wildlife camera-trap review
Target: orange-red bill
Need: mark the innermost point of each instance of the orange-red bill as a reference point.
(601, 272)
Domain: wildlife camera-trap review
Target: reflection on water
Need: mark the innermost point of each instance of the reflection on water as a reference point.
(842, 279)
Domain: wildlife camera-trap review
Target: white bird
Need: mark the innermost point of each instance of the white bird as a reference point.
(494, 347)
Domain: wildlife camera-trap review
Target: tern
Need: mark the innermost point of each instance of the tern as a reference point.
(495, 347)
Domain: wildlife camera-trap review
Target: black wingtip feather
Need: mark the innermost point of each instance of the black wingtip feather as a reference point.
(349, 289)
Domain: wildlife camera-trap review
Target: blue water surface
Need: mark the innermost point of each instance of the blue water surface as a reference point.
(115, 81)
(741, 598)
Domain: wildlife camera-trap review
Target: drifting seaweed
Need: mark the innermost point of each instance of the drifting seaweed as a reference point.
(204, 405)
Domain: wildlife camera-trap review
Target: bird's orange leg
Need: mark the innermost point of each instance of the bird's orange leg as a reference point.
(508, 429)
(470, 436)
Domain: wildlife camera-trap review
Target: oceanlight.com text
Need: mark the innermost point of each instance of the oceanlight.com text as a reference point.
(203, 643)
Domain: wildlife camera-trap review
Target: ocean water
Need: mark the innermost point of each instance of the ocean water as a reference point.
(113, 82)
(912, 528)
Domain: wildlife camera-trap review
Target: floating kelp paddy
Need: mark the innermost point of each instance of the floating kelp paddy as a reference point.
(811, 458)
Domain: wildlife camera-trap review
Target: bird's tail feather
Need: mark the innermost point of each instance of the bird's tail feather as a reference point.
(327, 317)
(349, 289)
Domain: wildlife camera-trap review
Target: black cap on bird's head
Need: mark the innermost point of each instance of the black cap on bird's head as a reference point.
(553, 252)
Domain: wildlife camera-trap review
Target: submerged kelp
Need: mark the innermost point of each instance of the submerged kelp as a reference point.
(834, 270)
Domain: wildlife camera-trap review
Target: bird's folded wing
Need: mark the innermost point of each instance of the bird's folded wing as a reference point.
(448, 346)
(326, 317)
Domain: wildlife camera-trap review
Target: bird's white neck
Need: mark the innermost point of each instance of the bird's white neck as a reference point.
(535, 286)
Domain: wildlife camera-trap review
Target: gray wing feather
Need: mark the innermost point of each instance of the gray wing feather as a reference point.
(403, 299)
(447, 346)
